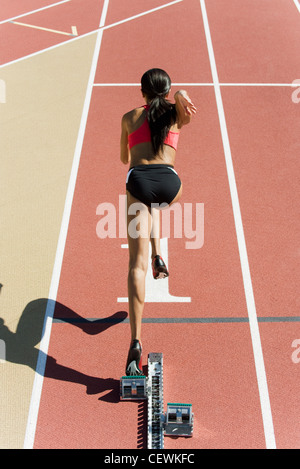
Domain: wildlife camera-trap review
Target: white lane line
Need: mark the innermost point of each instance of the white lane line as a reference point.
(92, 32)
(139, 84)
(34, 11)
(126, 20)
(48, 49)
(253, 322)
(297, 5)
(42, 357)
(139, 15)
(45, 29)
(293, 84)
(257, 84)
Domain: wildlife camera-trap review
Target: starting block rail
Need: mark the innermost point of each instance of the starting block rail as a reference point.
(178, 420)
(155, 401)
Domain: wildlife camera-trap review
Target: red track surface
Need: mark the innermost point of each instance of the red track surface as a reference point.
(208, 364)
(18, 41)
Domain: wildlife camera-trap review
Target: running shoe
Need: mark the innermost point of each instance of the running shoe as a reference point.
(159, 268)
(134, 360)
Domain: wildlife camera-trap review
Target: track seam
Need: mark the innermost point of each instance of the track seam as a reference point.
(178, 320)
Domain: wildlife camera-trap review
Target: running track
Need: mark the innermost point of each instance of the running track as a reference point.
(228, 317)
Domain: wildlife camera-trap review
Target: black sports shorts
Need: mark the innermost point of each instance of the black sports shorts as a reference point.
(153, 183)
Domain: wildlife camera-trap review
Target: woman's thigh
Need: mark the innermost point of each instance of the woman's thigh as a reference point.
(138, 231)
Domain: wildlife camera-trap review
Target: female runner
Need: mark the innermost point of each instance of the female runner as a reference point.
(148, 142)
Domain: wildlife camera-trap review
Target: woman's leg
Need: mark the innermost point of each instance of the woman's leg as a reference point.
(158, 265)
(155, 233)
(138, 232)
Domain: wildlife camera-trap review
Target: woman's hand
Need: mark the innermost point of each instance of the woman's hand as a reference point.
(185, 103)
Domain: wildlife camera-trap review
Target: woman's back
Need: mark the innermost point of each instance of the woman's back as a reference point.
(139, 138)
(150, 132)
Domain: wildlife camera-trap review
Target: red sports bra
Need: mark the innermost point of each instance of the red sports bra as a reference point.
(142, 134)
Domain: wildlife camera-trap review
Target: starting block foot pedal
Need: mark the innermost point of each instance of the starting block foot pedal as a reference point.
(133, 388)
(178, 420)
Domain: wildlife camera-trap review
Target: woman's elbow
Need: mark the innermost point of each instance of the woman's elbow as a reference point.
(124, 157)
(187, 119)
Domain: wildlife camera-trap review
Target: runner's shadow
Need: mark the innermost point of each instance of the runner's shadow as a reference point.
(20, 346)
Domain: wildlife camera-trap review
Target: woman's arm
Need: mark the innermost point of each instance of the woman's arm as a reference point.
(184, 107)
(125, 154)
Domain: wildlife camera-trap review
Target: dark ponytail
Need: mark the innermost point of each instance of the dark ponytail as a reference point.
(156, 85)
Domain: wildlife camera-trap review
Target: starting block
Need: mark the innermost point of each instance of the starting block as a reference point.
(179, 418)
(133, 388)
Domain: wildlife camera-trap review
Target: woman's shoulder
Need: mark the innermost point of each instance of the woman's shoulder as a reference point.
(131, 118)
(136, 112)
